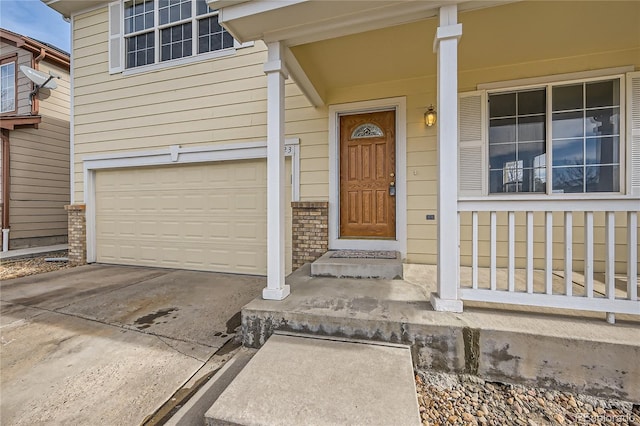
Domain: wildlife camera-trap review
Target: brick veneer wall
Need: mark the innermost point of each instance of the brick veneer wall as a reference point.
(77, 234)
(310, 231)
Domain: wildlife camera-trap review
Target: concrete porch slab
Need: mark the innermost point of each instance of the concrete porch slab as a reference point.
(295, 380)
(346, 267)
(547, 348)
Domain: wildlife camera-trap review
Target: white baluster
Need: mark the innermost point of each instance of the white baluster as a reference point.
(512, 251)
(529, 252)
(493, 251)
(568, 253)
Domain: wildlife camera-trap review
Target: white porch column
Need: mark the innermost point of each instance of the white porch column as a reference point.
(446, 46)
(276, 74)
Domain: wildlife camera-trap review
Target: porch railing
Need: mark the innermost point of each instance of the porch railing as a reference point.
(580, 254)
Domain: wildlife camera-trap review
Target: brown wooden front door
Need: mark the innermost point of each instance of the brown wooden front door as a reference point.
(367, 175)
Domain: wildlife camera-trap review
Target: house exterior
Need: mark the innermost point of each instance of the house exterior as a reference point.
(252, 136)
(35, 144)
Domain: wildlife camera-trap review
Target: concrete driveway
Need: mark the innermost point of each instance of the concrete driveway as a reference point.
(104, 344)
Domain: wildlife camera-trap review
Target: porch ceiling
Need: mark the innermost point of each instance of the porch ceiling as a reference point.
(395, 53)
(492, 38)
(297, 22)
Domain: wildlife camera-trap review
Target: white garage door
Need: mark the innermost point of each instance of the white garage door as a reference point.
(208, 217)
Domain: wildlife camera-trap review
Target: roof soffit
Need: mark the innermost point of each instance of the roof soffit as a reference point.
(70, 7)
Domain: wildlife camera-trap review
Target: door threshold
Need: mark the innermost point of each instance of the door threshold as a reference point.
(367, 238)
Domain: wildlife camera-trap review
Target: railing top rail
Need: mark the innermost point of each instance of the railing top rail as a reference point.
(554, 205)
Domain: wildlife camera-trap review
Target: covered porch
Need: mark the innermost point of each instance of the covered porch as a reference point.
(405, 56)
(492, 340)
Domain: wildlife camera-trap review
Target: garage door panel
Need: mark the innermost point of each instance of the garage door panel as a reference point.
(209, 217)
(217, 202)
(186, 256)
(249, 231)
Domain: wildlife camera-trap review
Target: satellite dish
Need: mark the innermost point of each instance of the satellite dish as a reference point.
(41, 80)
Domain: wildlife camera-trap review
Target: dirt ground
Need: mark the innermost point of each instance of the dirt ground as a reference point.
(31, 266)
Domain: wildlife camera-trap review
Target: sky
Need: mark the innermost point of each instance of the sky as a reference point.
(34, 19)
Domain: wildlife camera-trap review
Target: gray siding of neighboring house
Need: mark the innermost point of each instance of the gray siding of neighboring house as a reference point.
(39, 164)
(24, 86)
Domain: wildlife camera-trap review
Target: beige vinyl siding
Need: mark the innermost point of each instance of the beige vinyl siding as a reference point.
(223, 100)
(215, 101)
(422, 168)
(40, 167)
(55, 104)
(24, 85)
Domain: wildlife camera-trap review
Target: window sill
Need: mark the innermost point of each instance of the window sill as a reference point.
(184, 61)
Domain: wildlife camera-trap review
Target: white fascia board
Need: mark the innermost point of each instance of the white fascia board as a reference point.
(374, 15)
(301, 79)
(230, 16)
(251, 8)
(219, 4)
(354, 23)
(67, 8)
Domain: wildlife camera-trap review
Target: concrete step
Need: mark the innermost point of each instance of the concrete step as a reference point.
(363, 264)
(550, 348)
(304, 380)
(192, 413)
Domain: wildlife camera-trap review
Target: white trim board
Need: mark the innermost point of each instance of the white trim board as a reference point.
(175, 154)
(72, 120)
(554, 78)
(398, 104)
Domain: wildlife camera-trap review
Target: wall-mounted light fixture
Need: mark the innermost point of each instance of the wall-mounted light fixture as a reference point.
(430, 116)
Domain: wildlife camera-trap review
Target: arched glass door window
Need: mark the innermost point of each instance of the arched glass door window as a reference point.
(367, 130)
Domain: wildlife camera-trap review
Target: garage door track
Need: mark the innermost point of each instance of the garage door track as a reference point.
(103, 344)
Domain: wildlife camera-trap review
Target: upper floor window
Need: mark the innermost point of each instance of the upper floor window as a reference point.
(561, 138)
(8, 85)
(160, 30)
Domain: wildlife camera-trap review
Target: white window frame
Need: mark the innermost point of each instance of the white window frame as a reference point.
(12, 60)
(548, 82)
(158, 64)
(548, 87)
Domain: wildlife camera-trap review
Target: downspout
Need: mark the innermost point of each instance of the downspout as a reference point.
(35, 104)
(5, 189)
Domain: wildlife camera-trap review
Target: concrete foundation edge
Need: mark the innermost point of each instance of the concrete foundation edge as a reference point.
(576, 365)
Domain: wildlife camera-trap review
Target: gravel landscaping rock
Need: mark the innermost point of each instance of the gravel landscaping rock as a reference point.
(16, 268)
(448, 399)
